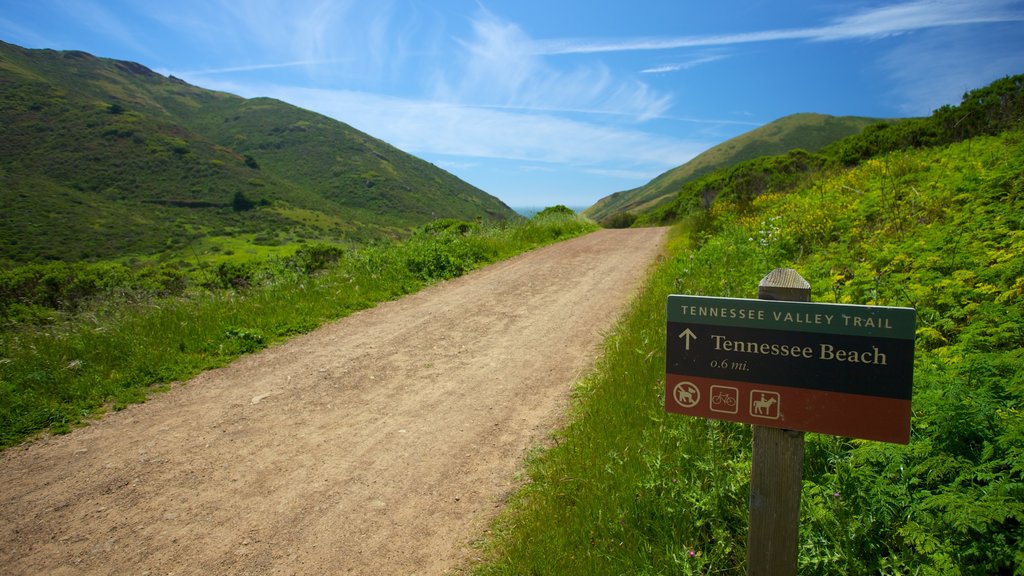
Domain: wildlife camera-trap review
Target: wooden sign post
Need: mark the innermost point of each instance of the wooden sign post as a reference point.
(787, 366)
(776, 469)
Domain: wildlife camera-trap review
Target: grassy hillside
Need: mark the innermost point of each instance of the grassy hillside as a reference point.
(809, 132)
(629, 489)
(102, 158)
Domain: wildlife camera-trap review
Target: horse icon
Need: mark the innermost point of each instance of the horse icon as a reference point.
(763, 406)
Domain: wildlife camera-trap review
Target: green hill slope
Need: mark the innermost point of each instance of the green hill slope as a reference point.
(809, 132)
(103, 158)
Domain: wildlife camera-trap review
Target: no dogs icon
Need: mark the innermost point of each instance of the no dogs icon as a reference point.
(687, 394)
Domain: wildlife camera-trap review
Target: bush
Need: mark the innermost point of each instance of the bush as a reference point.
(236, 275)
(558, 210)
(240, 203)
(448, 226)
(621, 220)
(315, 257)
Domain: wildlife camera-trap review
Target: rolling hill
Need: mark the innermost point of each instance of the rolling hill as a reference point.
(810, 132)
(103, 158)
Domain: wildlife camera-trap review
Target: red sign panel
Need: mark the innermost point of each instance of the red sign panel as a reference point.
(839, 414)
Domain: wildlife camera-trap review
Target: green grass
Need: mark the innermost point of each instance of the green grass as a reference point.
(629, 489)
(63, 361)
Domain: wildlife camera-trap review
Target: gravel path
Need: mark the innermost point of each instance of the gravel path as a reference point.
(384, 443)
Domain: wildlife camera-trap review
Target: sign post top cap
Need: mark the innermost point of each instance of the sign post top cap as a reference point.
(784, 284)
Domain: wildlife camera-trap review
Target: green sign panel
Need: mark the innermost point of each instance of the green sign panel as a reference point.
(822, 318)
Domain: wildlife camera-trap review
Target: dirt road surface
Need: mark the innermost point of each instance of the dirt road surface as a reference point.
(384, 443)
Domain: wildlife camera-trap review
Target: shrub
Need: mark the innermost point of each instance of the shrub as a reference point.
(314, 257)
(237, 275)
(240, 203)
(558, 210)
(621, 220)
(448, 226)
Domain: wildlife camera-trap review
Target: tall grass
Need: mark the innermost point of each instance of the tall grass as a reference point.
(113, 351)
(629, 489)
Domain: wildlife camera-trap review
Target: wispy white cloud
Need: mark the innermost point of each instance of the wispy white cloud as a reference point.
(303, 30)
(920, 15)
(103, 21)
(331, 38)
(456, 165)
(632, 175)
(499, 66)
(22, 35)
(676, 67)
(258, 67)
(546, 168)
(934, 69)
(454, 130)
(873, 23)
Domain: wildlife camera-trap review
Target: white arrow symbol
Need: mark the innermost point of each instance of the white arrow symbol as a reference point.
(688, 334)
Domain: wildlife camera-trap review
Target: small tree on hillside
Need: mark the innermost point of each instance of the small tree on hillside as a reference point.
(241, 203)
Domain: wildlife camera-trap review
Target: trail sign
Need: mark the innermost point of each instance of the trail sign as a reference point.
(838, 369)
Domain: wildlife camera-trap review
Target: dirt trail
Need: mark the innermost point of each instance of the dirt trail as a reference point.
(383, 443)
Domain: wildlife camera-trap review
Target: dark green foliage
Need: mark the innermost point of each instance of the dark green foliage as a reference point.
(940, 231)
(620, 220)
(240, 203)
(243, 341)
(236, 275)
(35, 292)
(448, 226)
(741, 183)
(439, 250)
(885, 137)
(985, 111)
(441, 259)
(313, 258)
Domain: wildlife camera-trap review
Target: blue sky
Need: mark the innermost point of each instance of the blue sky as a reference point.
(553, 102)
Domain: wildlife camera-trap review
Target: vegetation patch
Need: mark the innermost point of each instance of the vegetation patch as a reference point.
(629, 489)
(78, 337)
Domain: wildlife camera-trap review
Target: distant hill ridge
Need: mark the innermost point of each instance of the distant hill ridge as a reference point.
(102, 158)
(809, 132)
